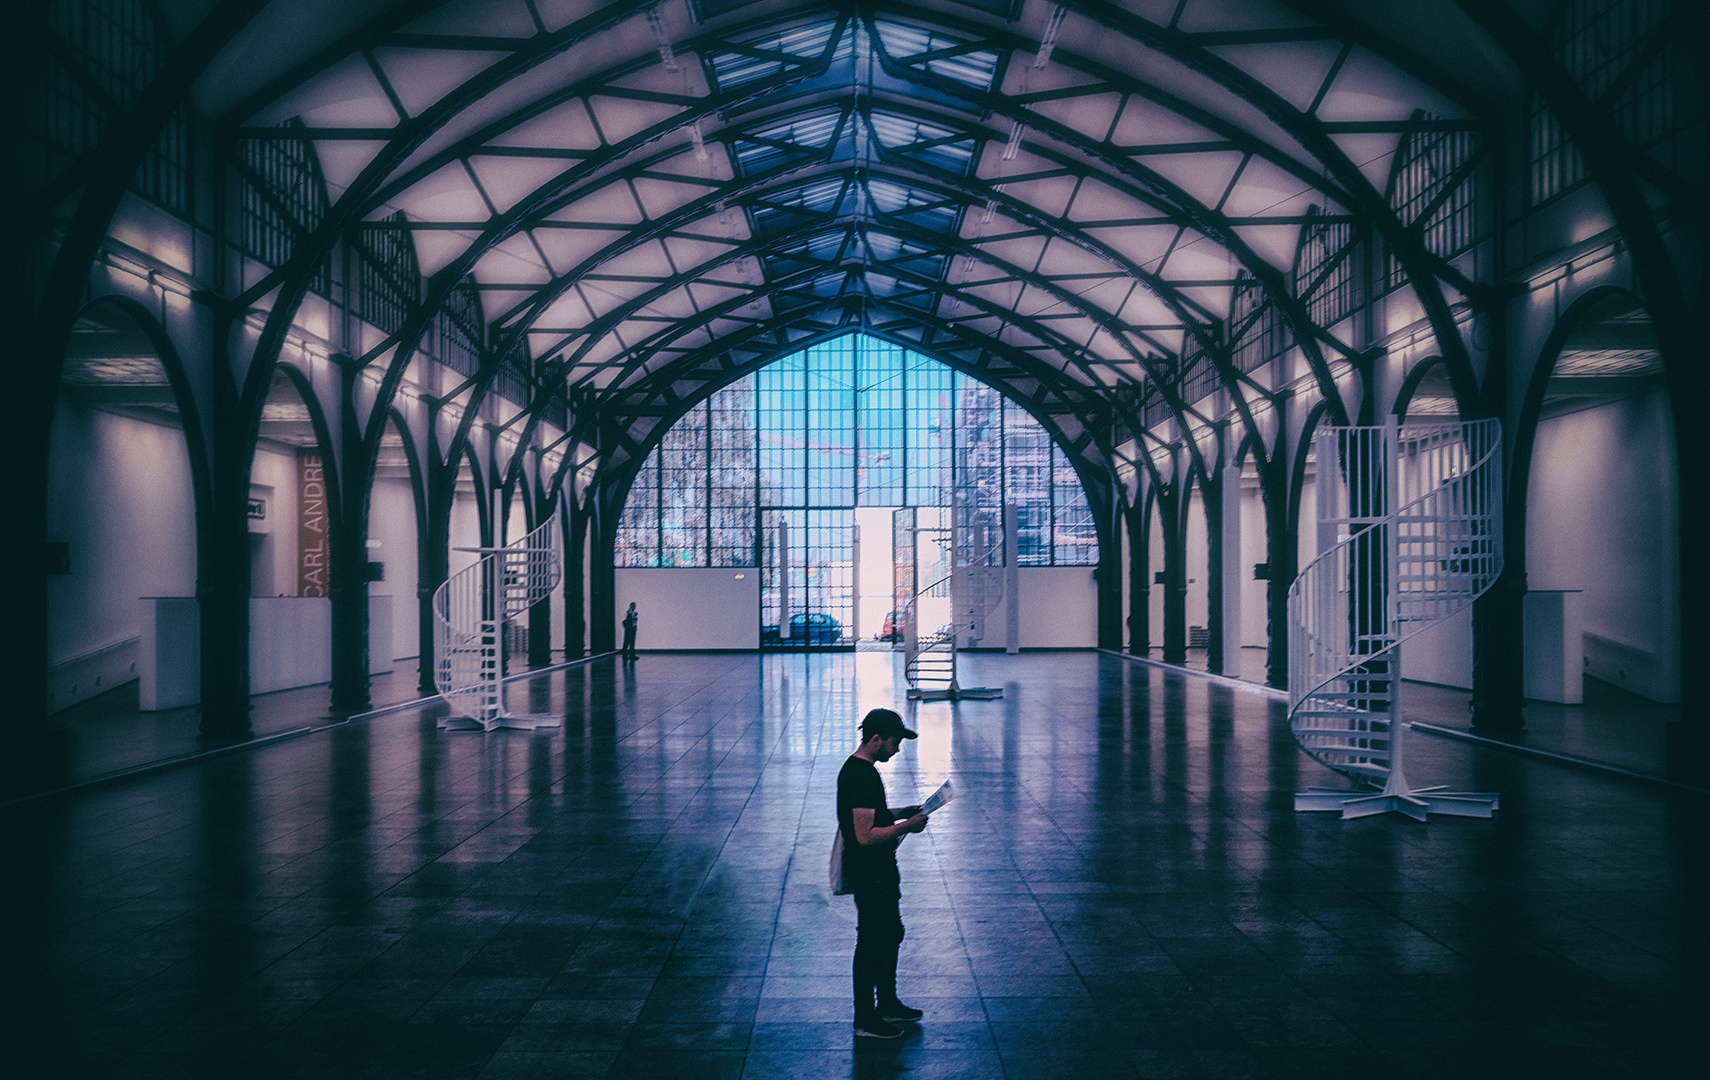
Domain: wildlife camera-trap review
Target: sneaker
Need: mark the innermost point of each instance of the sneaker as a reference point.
(896, 1010)
(877, 1029)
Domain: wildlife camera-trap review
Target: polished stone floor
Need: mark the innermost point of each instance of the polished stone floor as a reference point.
(1121, 890)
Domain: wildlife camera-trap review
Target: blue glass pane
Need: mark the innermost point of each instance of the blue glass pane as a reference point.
(854, 421)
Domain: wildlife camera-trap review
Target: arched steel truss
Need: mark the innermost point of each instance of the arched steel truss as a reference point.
(680, 149)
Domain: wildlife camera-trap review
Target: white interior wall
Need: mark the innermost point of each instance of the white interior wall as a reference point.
(1255, 617)
(464, 530)
(683, 608)
(1197, 555)
(1059, 608)
(555, 607)
(392, 542)
(1601, 517)
(1306, 532)
(1155, 595)
(120, 495)
(1235, 567)
(720, 608)
(1443, 654)
(275, 468)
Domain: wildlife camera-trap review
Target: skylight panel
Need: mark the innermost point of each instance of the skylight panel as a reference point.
(820, 197)
(923, 210)
(940, 146)
(971, 67)
(764, 147)
(892, 197)
(771, 54)
(825, 247)
(897, 131)
(885, 247)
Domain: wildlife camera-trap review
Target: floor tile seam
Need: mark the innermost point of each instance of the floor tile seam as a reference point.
(146, 770)
(1536, 753)
(1553, 757)
(1261, 689)
(424, 702)
(957, 913)
(686, 807)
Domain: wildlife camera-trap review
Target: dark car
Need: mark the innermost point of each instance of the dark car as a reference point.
(807, 628)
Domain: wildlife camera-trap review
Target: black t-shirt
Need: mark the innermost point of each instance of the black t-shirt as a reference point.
(859, 785)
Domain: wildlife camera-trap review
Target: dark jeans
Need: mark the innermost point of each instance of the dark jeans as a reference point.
(878, 936)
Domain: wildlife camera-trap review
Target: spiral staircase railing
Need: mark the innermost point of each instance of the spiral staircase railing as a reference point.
(471, 609)
(1411, 518)
(976, 588)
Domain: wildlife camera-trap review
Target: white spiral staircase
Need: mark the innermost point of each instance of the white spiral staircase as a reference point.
(976, 584)
(1411, 534)
(470, 612)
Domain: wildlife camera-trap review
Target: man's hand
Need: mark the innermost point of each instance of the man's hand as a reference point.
(903, 813)
(915, 823)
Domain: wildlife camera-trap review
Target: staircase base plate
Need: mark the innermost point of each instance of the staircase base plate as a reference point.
(951, 693)
(522, 722)
(1417, 804)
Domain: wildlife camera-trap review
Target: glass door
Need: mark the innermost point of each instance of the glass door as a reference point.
(807, 577)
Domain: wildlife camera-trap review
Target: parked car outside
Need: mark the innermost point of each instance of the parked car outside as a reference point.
(806, 628)
(893, 628)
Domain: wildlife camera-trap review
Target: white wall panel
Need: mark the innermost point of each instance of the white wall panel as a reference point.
(1602, 516)
(120, 495)
(683, 608)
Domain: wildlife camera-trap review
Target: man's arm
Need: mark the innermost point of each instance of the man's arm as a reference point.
(868, 833)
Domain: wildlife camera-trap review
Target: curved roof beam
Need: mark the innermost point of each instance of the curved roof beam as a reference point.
(1047, 402)
(1311, 134)
(1036, 368)
(528, 48)
(939, 243)
(1205, 219)
(536, 108)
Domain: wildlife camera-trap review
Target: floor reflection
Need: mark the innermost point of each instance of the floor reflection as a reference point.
(1122, 889)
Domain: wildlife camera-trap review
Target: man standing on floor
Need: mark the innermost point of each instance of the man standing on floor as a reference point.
(871, 831)
(629, 621)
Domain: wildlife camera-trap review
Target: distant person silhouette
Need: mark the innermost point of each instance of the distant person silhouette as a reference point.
(629, 622)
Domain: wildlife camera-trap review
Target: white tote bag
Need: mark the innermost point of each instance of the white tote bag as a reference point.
(835, 878)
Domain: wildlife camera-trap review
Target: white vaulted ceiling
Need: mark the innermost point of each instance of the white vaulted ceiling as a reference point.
(1063, 196)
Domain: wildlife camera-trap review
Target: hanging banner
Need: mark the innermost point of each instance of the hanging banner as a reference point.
(312, 524)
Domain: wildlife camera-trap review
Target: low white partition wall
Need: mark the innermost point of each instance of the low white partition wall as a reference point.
(684, 608)
(1059, 609)
(290, 645)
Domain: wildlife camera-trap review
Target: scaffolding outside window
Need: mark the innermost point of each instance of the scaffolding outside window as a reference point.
(1254, 325)
(388, 282)
(1199, 376)
(458, 329)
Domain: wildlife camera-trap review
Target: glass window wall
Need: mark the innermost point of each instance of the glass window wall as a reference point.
(850, 422)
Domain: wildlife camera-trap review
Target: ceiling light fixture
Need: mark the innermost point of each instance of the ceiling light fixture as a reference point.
(667, 56)
(1048, 40)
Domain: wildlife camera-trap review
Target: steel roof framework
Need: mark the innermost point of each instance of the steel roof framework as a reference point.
(608, 211)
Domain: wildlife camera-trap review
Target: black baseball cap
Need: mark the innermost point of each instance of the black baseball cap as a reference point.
(885, 722)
